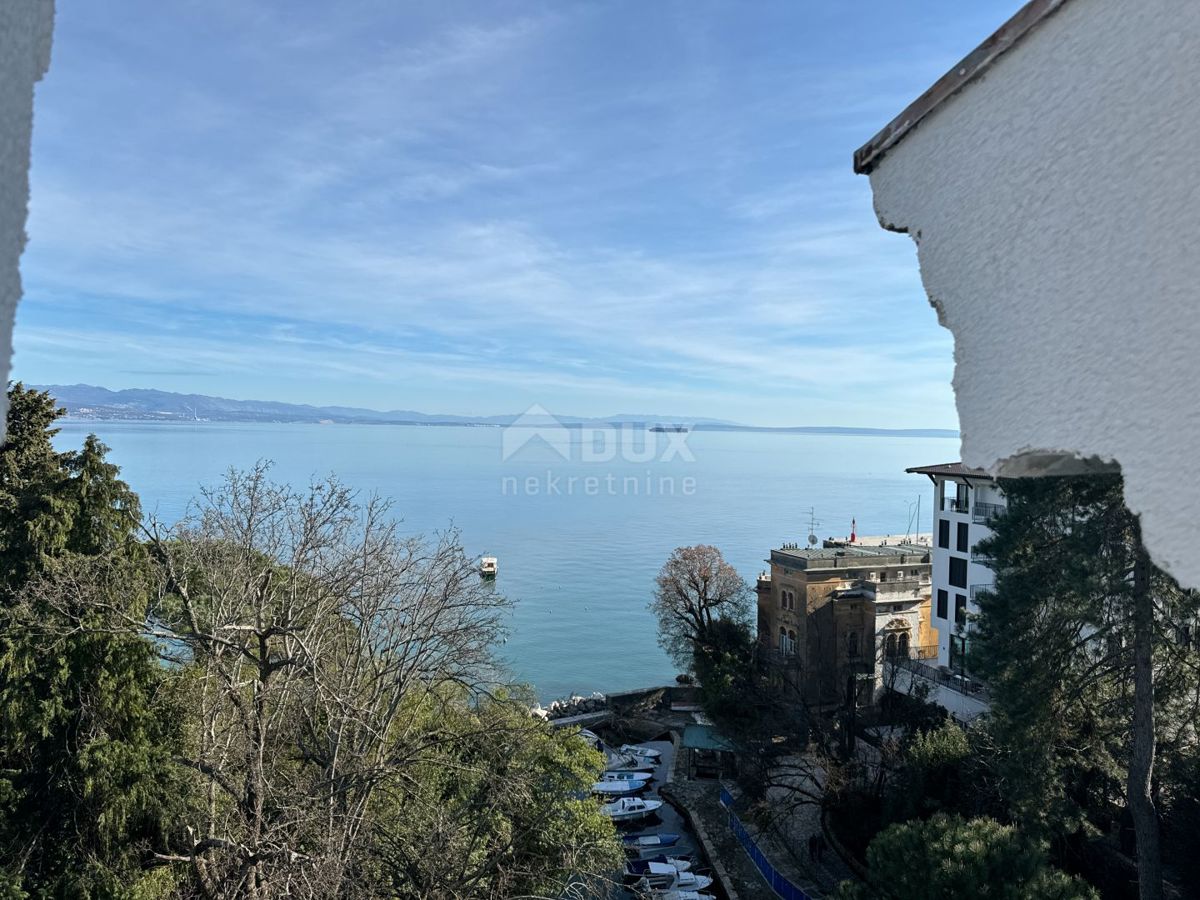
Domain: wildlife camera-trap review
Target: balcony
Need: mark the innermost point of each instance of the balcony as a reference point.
(953, 504)
(919, 663)
(976, 589)
(984, 513)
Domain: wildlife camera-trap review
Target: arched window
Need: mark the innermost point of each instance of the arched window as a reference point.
(903, 643)
(852, 644)
(782, 639)
(890, 645)
(782, 599)
(791, 641)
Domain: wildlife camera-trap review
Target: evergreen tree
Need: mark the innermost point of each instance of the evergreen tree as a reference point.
(87, 724)
(950, 858)
(1074, 642)
(34, 513)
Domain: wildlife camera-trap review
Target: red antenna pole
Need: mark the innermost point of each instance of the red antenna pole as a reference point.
(853, 529)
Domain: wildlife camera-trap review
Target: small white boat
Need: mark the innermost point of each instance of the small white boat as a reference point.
(629, 764)
(592, 738)
(636, 868)
(630, 809)
(682, 895)
(640, 752)
(665, 877)
(619, 788)
(626, 776)
(650, 842)
(487, 566)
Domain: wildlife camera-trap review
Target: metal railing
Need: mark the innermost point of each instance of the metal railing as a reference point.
(985, 512)
(779, 884)
(976, 589)
(917, 662)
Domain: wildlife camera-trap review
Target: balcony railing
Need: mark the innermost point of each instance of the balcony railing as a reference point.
(918, 661)
(976, 589)
(983, 513)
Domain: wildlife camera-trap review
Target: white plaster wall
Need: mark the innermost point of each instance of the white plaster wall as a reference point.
(1055, 203)
(25, 32)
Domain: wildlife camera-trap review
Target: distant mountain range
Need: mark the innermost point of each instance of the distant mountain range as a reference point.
(87, 402)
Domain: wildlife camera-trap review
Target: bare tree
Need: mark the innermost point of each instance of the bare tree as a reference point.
(695, 588)
(317, 639)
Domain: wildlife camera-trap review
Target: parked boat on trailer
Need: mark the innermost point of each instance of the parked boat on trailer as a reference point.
(630, 809)
(620, 788)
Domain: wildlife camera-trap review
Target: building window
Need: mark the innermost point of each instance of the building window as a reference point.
(791, 642)
(889, 645)
(944, 533)
(943, 604)
(958, 572)
(782, 639)
(964, 541)
(852, 644)
(960, 609)
(782, 599)
(902, 644)
(883, 575)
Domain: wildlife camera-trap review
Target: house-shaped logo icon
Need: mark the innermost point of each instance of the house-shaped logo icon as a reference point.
(534, 424)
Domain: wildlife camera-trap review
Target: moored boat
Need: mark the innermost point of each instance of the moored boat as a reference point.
(620, 788)
(664, 877)
(488, 566)
(626, 776)
(636, 868)
(640, 751)
(649, 840)
(629, 764)
(630, 809)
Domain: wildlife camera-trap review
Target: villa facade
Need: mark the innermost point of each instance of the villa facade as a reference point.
(827, 615)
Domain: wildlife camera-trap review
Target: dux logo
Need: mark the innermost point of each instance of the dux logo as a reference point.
(536, 424)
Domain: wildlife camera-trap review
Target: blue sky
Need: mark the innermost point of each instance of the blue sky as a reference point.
(466, 207)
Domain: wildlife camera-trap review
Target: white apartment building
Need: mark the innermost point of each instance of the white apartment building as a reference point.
(965, 501)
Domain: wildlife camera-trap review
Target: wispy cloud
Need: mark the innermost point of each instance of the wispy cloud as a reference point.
(478, 207)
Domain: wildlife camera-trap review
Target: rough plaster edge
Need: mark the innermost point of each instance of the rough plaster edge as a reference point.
(35, 30)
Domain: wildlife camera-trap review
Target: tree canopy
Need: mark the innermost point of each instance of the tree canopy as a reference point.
(694, 590)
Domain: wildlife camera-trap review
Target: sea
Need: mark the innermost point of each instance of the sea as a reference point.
(580, 520)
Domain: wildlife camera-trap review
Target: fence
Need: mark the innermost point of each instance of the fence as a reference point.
(778, 883)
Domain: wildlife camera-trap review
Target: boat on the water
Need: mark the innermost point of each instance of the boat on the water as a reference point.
(636, 868)
(626, 776)
(640, 751)
(620, 788)
(630, 809)
(621, 763)
(487, 566)
(650, 841)
(681, 895)
(665, 877)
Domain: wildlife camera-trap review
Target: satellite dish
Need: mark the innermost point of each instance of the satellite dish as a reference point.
(812, 539)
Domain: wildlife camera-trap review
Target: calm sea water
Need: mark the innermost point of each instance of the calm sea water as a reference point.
(577, 557)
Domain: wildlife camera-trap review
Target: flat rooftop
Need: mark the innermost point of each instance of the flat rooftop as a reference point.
(849, 554)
